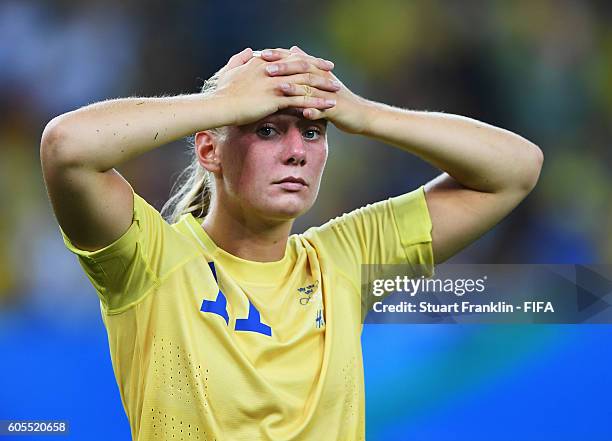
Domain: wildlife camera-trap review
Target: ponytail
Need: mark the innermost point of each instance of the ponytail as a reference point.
(194, 187)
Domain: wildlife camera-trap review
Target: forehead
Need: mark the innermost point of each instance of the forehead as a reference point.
(290, 113)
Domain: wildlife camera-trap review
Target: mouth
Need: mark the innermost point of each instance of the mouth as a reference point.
(291, 183)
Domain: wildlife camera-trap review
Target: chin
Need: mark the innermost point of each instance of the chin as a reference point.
(286, 211)
(286, 214)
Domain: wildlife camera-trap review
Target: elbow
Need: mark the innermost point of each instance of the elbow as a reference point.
(52, 135)
(54, 143)
(532, 168)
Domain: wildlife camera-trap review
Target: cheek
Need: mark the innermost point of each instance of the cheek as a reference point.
(319, 160)
(234, 168)
(253, 169)
(232, 172)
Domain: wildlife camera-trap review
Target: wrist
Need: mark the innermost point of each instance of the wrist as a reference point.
(220, 109)
(368, 110)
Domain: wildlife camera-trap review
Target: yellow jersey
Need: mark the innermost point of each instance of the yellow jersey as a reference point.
(208, 346)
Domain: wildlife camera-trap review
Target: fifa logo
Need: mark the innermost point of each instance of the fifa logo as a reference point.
(306, 292)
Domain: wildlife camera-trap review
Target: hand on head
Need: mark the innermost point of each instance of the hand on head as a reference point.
(260, 83)
(305, 74)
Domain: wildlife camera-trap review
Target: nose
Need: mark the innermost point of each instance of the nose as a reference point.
(294, 152)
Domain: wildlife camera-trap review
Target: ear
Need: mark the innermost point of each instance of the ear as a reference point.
(206, 150)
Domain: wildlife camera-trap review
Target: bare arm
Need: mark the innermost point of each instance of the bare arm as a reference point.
(91, 200)
(488, 170)
(105, 134)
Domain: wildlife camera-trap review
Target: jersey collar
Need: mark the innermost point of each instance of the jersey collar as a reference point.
(246, 270)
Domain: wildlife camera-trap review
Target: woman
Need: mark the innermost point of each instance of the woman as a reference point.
(221, 324)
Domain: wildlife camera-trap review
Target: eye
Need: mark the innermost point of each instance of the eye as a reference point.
(312, 134)
(266, 131)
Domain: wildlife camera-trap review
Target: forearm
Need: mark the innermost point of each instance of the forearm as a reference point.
(479, 156)
(105, 134)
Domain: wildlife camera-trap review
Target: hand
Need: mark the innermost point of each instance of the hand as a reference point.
(249, 93)
(351, 112)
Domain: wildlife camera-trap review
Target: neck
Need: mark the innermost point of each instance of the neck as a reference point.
(248, 238)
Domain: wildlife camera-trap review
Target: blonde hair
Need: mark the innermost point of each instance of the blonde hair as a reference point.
(194, 187)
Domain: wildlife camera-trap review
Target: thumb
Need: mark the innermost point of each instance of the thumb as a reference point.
(240, 58)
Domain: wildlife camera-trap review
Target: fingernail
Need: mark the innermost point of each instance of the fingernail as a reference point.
(267, 53)
(285, 86)
(336, 83)
(272, 68)
(330, 64)
(330, 102)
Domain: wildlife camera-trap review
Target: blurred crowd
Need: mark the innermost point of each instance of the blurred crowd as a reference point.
(542, 69)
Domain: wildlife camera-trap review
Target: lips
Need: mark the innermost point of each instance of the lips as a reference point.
(292, 179)
(292, 184)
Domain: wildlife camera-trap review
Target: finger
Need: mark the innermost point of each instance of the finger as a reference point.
(300, 89)
(314, 113)
(297, 50)
(324, 64)
(291, 83)
(301, 65)
(308, 102)
(240, 58)
(245, 55)
(274, 54)
(279, 54)
(289, 89)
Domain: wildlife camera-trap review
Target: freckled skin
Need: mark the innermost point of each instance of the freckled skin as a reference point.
(254, 156)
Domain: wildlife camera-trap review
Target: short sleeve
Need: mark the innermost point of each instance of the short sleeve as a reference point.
(413, 228)
(390, 232)
(124, 271)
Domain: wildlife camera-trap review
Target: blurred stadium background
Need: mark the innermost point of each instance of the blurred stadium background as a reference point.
(541, 68)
